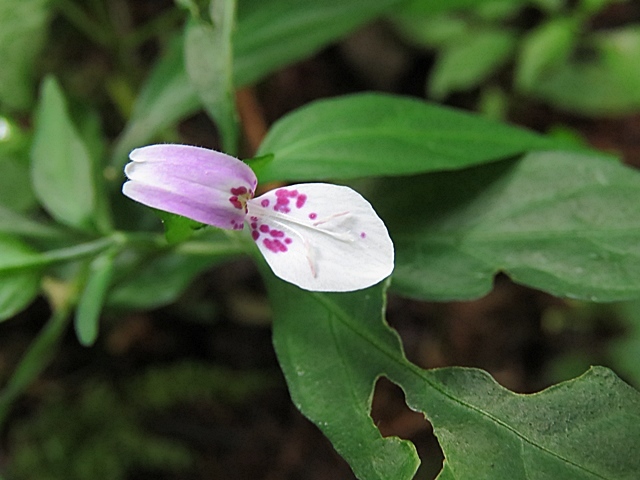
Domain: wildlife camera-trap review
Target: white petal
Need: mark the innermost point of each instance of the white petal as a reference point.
(321, 237)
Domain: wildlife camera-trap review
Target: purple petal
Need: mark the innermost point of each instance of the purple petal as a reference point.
(201, 184)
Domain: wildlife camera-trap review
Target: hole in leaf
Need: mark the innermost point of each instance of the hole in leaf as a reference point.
(393, 417)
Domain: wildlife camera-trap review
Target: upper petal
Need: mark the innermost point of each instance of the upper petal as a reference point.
(204, 185)
(321, 237)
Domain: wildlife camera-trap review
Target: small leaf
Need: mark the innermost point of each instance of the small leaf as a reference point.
(176, 227)
(93, 296)
(209, 64)
(23, 27)
(157, 280)
(606, 82)
(61, 166)
(467, 63)
(17, 290)
(544, 49)
(14, 223)
(373, 135)
(565, 223)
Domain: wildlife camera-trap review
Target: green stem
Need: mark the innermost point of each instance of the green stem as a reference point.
(36, 358)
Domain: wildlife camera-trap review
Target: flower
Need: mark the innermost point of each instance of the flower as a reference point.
(318, 236)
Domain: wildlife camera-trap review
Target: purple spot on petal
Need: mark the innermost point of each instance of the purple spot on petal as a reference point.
(363, 235)
(277, 233)
(293, 193)
(313, 216)
(255, 234)
(288, 241)
(235, 202)
(265, 202)
(301, 201)
(239, 190)
(276, 246)
(281, 192)
(264, 228)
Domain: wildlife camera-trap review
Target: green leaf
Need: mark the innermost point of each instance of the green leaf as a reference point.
(606, 81)
(373, 135)
(19, 283)
(17, 291)
(62, 169)
(487, 431)
(544, 49)
(23, 27)
(467, 63)
(14, 223)
(331, 358)
(430, 7)
(565, 223)
(269, 35)
(332, 355)
(209, 64)
(275, 33)
(158, 280)
(177, 228)
(93, 296)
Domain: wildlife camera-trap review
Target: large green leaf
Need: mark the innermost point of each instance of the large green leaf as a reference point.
(565, 223)
(332, 354)
(62, 169)
(22, 32)
(374, 134)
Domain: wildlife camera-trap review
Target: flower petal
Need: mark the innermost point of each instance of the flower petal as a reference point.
(198, 183)
(321, 237)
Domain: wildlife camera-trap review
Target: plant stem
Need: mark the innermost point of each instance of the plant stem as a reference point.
(35, 359)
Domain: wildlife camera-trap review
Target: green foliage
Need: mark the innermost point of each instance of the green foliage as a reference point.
(62, 170)
(485, 431)
(466, 198)
(209, 64)
(23, 27)
(561, 222)
(373, 134)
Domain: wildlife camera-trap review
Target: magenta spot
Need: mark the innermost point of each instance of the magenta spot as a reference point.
(254, 219)
(255, 234)
(239, 190)
(293, 193)
(276, 246)
(236, 203)
(264, 228)
(288, 241)
(281, 192)
(301, 201)
(277, 233)
(363, 235)
(313, 216)
(254, 225)
(265, 202)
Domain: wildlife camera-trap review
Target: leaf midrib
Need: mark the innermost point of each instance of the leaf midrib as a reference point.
(418, 372)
